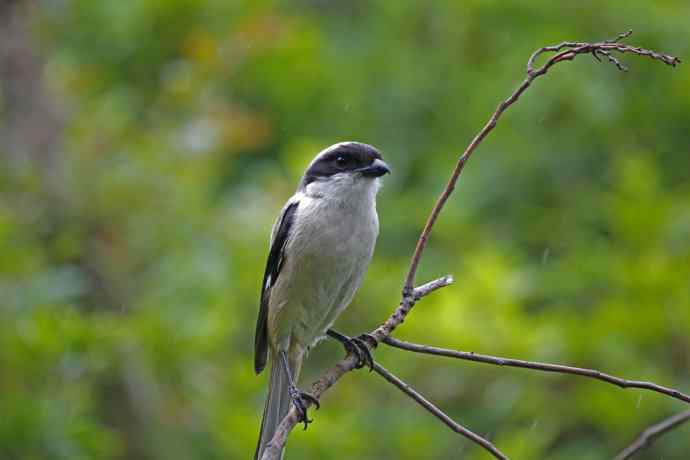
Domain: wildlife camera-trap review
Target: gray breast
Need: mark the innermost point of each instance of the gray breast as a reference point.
(329, 264)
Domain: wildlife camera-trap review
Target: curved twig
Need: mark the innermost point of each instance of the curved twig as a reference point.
(572, 49)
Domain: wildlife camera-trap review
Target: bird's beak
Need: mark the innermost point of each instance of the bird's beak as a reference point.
(376, 169)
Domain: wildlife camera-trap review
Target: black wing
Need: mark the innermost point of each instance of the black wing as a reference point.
(276, 258)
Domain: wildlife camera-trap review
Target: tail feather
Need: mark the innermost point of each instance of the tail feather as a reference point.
(277, 403)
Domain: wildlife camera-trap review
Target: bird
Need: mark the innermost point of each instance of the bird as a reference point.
(320, 249)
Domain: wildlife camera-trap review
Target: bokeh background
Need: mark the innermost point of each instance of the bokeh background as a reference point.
(147, 146)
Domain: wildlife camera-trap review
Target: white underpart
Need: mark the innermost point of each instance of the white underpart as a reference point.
(328, 251)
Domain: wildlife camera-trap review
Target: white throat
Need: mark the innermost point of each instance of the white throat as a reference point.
(348, 189)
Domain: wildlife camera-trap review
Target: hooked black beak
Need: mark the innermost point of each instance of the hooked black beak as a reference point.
(376, 169)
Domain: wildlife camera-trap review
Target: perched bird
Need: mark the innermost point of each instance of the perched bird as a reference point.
(321, 246)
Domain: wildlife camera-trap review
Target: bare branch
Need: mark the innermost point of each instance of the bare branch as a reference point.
(438, 413)
(572, 49)
(546, 367)
(566, 51)
(575, 48)
(648, 436)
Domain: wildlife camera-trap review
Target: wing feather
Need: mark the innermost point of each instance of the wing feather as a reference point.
(276, 259)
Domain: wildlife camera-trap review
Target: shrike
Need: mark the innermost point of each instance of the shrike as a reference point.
(320, 249)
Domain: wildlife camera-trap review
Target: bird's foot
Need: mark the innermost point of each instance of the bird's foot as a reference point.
(356, 346)
(301, 400)
(373, 343)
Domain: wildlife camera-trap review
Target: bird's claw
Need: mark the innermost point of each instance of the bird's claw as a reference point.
(357, 346)
(301, 400)
(373, 343)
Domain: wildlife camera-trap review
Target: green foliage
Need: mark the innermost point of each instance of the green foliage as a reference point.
(130, 274)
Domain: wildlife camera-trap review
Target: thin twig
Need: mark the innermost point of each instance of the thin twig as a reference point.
(648, 436)
(438, 413)
(546, 367)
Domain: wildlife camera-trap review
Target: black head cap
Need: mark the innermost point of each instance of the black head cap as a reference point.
(342, 158)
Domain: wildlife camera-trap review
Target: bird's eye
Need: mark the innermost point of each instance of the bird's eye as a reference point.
(341, 161)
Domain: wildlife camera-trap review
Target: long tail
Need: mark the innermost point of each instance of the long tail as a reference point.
(277, 402)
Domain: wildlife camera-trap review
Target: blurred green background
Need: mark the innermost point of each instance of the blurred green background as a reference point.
(147, 146)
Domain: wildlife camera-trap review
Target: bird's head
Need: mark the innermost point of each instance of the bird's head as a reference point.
(345, 164)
